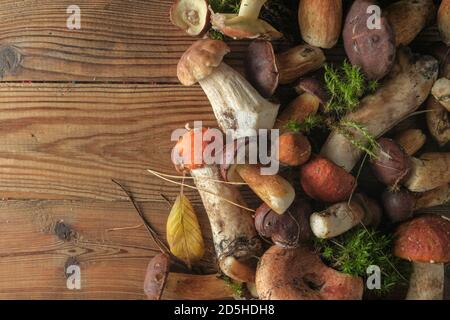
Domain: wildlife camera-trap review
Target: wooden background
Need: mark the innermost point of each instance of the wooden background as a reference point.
(78, 108)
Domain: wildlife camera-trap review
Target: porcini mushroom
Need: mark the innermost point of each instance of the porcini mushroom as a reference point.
(322, 180)
(236, 104)
(161, 284)
(426, 242)
(320, 22)
(444, 21)
(407, 18)
(372, 49)
(412, 140)
(288, 230)
(274, 190)
(441, 92)
(428, 172)
(406, 89)
(234, 235)
(265, 70)
(299, 274)
(191, 16)
(294, 149)
(343, 216)
(246, 24)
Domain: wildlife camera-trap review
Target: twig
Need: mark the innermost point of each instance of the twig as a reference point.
(184, 177)
(150, 230)
(125, 228)
(198, 189)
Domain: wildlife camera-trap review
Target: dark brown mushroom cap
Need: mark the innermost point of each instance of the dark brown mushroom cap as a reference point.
(424, 239)
(156, 276)
(200, 60)
(371, 49)
(313, 86)
(261, 68)
(299, 274)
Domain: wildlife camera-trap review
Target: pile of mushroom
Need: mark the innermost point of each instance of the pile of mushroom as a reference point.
(318, 194)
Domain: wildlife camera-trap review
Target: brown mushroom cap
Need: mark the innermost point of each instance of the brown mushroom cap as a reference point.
(314, 87)
(261, 68)
(424, 239)
(156, 276)
(200, 60)
(294, 149)
(371, 49)
(299, 274)
(191, 16)
(241, 27)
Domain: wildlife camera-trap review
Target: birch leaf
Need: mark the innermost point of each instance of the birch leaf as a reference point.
(183, 232)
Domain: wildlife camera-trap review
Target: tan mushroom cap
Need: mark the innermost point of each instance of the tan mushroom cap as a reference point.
(299, 274)
(240, 27)
(200, 60)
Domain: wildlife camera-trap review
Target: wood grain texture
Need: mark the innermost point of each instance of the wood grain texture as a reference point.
(34, 253)
(68, 141)
(119, 40)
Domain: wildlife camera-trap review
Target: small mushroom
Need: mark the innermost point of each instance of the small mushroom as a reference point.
(236, 104)
(294, 149)
(343, 216)
(320, 22)
(441, 92)
(161, 284)
(191, 16)
(444, 21)
(274, 190)
(299, 274)
(265, 70)
(412, 140)
(246, 24)
(392, 165)
(372, 49)
(297, 111)
(336, 220)
(322, 180)
(426, 242)
(287, 230)
(407, 18)
(428, 172)
(398, 205)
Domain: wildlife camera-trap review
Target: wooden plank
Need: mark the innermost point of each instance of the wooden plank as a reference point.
(34, 253)
(69, 140)
(119, 40)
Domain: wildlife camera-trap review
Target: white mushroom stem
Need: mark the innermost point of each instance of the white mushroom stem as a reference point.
(236, 104)
(336, 220)
(233, 230)
(406, 89)
(431, 171)
(274, 190)
(426, 282)
(251, 8)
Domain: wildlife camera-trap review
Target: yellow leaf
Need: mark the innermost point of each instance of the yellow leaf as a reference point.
(183, 232)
